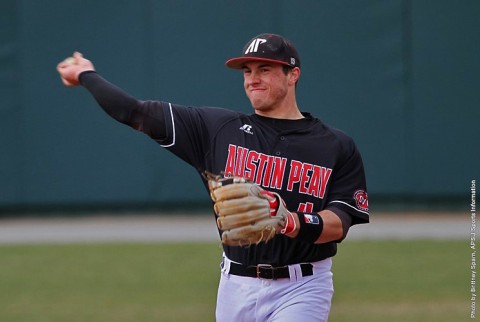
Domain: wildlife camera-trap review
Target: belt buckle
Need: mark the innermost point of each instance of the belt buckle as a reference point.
(262, 267)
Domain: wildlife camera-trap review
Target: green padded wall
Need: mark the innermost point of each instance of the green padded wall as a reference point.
(401, 77)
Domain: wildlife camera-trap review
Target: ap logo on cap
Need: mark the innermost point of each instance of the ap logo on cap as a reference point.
(253, 47)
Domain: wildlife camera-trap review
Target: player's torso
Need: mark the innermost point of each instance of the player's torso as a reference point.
(296, 161)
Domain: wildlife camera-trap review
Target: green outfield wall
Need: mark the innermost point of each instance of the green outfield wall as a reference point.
(401, 77)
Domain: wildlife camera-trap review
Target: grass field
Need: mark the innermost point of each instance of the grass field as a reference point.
(384, 281)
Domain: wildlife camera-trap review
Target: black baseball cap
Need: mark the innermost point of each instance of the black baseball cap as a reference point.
(269, 48)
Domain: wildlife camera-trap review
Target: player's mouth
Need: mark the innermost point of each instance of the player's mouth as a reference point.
(257, 90)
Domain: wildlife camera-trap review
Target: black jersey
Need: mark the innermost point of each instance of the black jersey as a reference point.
(310, 164)
(307, 162)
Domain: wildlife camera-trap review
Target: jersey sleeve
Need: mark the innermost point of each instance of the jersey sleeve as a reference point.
(190, 131)
(348, 191)
(187, 134)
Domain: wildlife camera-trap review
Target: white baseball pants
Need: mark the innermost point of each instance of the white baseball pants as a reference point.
(305, 299)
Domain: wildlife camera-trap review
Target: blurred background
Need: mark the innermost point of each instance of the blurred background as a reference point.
(401, 77)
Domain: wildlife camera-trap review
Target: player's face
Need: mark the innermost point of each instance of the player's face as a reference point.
(266, 85)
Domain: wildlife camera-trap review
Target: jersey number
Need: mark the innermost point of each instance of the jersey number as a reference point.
(305, 207)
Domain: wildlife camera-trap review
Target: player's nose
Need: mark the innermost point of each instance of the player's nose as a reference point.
(252, 78)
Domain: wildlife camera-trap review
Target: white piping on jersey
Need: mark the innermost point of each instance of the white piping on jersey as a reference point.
(365, 212)
(173, 127)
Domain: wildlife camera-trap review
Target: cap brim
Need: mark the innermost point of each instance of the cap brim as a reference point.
(239, 62)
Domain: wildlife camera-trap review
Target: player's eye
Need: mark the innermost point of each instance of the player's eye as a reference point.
(265, 69)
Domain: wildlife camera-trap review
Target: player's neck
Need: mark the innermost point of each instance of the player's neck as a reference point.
(286, 111)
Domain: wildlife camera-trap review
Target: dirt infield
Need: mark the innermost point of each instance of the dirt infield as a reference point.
(201, 227)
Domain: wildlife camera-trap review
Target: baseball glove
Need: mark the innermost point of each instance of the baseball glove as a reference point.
(247, 214)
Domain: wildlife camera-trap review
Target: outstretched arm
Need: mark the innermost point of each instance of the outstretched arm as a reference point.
(145, 116)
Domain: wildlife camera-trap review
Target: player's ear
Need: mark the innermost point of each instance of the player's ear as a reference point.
(294, 75)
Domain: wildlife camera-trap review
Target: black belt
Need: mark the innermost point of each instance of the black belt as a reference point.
(267, 271)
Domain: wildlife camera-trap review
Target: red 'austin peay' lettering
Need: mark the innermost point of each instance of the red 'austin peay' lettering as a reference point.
(269, 171)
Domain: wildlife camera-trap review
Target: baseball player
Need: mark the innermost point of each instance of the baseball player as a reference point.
(286, 187)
